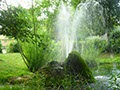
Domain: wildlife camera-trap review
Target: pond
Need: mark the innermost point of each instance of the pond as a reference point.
(107, 77)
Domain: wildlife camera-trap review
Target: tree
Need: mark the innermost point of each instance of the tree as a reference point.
(32, 33)
(75, 3)
(111, 13)
(15, 22)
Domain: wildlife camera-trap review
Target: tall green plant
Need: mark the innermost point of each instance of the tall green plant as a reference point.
(41, 42)
(37, 52)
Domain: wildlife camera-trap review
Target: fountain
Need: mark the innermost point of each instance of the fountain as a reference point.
(64, 32)
(73, 27)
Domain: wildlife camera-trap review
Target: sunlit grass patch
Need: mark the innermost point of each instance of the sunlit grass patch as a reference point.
(18, 87)
(11, 65)
(108, 58)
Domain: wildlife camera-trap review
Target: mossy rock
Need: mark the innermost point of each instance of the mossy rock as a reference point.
(18, 80)
(75, 65)
(53, 72)
(53, 69)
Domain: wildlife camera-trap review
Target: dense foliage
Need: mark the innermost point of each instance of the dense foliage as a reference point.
(13, 47)
(15, 22)
(111, 12)
(114, 43)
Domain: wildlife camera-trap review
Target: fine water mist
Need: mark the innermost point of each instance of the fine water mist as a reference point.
(74, 26)
(64, 32)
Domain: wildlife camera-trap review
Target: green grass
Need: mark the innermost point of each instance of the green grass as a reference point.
(20, 87)
(11, 65)
(108, 58)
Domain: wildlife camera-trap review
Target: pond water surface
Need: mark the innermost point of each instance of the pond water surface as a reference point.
(107, 77)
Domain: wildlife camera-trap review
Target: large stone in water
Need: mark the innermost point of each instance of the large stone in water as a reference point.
(75, 65)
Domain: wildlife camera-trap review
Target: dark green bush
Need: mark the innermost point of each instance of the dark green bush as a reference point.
(101, 44)
(13, 47)
(0, 47)
(114, 43)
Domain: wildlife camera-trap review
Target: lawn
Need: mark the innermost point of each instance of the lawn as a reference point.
(12, 65)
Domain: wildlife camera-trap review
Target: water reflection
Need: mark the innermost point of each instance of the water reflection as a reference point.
(107, 77)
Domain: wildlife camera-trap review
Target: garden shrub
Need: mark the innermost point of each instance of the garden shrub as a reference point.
(13, 47)
(114, 43)
(35, 57)
(37, 51)
(90, 48)
(0, 47)
(101, 45)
